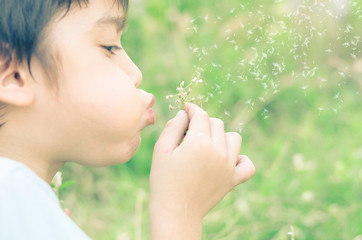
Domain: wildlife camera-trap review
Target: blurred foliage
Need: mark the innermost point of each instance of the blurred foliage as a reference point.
(285, 74)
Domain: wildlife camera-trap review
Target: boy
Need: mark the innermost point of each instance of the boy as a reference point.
(69, 92)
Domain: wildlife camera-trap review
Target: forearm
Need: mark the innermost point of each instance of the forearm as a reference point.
(175, 224)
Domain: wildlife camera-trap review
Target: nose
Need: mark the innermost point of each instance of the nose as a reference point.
(133, 72)
(136, 75)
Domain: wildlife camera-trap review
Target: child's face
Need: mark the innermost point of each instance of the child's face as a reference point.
(99, 111)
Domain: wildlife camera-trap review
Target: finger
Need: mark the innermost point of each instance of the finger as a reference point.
(233, 141)
(218, 135)
(173, 133)
(199, 121)
(244, 170)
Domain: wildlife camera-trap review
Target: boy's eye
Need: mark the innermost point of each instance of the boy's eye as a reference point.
(112, 49)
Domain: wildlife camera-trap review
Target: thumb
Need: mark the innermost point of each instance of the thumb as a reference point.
(173, 133)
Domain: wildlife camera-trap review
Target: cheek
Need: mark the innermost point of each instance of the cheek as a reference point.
(104, 98)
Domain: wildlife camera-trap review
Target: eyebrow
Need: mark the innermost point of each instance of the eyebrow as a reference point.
(119, 22)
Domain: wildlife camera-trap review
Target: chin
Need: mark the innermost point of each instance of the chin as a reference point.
(115, 155)
(133, 146)
(127, 151)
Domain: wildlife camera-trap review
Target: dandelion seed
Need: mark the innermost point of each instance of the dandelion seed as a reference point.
(348, 28)
(217, 87)
(345, 44)
(275, 92)
(322, 79)
(170, 107)
(353, 42)
(195, 50)
(232, 41)
(195, 28)
(204, 52)
(228, 76)
(226, 113)
(342, 74)
(242, 63)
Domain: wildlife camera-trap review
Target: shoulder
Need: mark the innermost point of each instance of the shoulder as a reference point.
(18, 182)
(29, 207)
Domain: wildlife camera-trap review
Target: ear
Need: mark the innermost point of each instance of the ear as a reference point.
(16, 84)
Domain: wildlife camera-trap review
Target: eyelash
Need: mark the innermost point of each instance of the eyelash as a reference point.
(112, 49)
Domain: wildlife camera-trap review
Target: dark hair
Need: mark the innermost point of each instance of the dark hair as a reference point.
(22, 23)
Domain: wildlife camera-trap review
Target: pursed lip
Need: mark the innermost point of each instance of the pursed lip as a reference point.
(152, 102)
(150, 112)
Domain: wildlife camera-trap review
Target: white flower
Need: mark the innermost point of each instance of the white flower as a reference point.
(57, 180)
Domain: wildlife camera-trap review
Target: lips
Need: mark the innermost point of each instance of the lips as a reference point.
(152, 102)
(151, 113)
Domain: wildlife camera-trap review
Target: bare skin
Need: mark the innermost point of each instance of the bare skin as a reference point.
(100, 107)
(188, 179)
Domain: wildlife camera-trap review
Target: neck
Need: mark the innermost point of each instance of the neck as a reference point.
(42, 166)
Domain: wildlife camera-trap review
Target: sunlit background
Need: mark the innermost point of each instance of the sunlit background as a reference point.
(286, 75)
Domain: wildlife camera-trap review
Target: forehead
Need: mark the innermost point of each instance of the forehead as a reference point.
(96, 13)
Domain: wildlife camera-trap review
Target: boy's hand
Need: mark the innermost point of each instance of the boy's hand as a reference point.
(189, 177)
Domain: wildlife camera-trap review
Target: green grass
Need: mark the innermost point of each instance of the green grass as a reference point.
(305, 139)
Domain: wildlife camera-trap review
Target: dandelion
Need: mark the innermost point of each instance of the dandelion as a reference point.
(182, 94)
